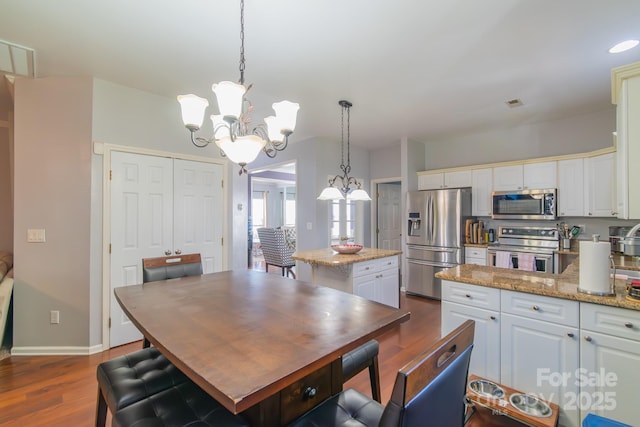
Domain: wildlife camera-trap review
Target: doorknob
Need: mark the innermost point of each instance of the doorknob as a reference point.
(167, 252)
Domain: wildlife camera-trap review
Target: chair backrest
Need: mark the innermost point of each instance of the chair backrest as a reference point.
(430, 390)
(277, 246)
(171, 267)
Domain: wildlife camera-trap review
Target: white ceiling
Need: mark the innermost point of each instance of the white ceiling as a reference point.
(416, 69)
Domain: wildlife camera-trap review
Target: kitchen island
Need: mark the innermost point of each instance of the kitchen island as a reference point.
(535, 332)
(371, 273)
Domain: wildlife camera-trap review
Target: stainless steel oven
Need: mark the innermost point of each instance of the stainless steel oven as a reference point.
(541, 242)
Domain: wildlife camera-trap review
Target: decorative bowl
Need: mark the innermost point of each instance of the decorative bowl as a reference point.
(347, 248)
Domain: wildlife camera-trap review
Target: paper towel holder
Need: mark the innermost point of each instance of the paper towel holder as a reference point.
(612, 286)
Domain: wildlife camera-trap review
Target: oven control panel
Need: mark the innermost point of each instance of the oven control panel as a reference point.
(542, 233)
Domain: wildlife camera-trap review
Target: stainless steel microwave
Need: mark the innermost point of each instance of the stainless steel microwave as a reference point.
(524, 204)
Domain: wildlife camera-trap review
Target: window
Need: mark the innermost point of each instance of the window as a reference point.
(342, 218)
(258, 211)
(290, 207)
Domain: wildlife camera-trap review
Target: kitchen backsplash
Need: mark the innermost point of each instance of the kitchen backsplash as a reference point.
(592, 225)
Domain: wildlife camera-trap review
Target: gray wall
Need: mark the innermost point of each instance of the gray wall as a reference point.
(52, 191)
(6, 192)
(576, 134)
(386, 162)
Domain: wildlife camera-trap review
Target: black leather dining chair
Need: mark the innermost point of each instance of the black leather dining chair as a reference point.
(428, 391)
(169, 267)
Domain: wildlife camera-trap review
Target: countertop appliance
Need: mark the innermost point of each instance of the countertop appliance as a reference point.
(435, 236)
(616, 235)
(541, 242)
(524, 204)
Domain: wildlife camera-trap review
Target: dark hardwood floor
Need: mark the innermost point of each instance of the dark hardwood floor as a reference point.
(61, 390)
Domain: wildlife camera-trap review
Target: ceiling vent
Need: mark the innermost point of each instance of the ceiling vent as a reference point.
(513, 103)
(16, 60)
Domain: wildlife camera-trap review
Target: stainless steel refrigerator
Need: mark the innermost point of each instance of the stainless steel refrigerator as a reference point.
(435, 236)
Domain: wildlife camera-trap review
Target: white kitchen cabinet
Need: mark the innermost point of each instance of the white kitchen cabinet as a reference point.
(599, 185)
(462, 301)
(507, 178)
(626, 95)
(434, 181)
(431, 181)
(481, 188)
(529, 176)
(473, 255)
(610, 351)
(571, 200)
(538, 346)
(377, 280)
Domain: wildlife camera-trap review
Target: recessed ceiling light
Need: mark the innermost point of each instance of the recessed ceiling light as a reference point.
(625, 45)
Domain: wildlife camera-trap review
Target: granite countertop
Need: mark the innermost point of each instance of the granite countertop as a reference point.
(563, 285)
(329, 257)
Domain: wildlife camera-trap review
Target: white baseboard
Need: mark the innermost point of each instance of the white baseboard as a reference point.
(56, 351)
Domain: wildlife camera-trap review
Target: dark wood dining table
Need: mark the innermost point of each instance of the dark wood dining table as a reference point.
(261, 344)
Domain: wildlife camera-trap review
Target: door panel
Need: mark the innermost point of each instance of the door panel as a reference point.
(141, 222)
(198, 211)
(389, 219)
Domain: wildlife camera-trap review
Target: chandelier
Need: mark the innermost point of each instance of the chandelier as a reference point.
(335, 193)
(232, 131)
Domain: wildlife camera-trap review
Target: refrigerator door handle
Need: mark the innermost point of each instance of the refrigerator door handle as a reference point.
(431, 263)
(431, 249)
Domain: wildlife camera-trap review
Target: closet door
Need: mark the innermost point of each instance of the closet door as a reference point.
(197, 211)
(141, 226)
(160, 206)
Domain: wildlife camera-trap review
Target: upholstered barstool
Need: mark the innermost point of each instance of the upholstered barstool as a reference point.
(182, 405)
(365, 356)
(131, 378)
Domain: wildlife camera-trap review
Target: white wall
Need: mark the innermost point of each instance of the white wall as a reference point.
(386, 162)
(577, 134)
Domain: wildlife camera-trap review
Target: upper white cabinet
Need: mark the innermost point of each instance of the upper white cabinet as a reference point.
(434, 181)
(626, 95)
(481, 188)
(599, 185)
(571, 187)
(524, 177)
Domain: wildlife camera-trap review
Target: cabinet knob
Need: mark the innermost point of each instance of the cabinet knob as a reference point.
(167, 252)
(587, 338)
(590, 214)
(492, 317)
(535, 308)
(467, 295)
(614, 213)
(570, 334)
(178, 251)
(310, 392)
(629, 325)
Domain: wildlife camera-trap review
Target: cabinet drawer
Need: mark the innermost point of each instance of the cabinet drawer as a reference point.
(303, 395)
(473, 295)
(365, 267)
(619, 322)
(388, 263)
(538, 307)
(475, 253)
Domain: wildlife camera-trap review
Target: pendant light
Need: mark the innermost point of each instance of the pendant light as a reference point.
(335, 193)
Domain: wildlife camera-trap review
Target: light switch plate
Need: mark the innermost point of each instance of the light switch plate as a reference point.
(36, 235)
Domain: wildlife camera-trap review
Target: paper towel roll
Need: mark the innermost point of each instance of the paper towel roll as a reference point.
(594, 267)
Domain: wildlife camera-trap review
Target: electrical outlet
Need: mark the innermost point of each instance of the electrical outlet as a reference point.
(54, 317)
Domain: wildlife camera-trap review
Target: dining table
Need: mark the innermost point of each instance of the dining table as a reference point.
(262, 345)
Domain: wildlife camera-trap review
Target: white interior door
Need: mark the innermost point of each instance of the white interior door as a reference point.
(198, 211)
(141, 226)
(389, 217)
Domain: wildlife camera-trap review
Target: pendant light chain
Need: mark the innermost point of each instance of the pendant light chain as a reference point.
(242, 60)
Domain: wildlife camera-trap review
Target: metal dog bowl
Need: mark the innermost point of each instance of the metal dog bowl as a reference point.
(530, 405)
(486, 388)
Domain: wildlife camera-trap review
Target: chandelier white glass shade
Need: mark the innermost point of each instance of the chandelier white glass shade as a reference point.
(334, 193)
(231, 128)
